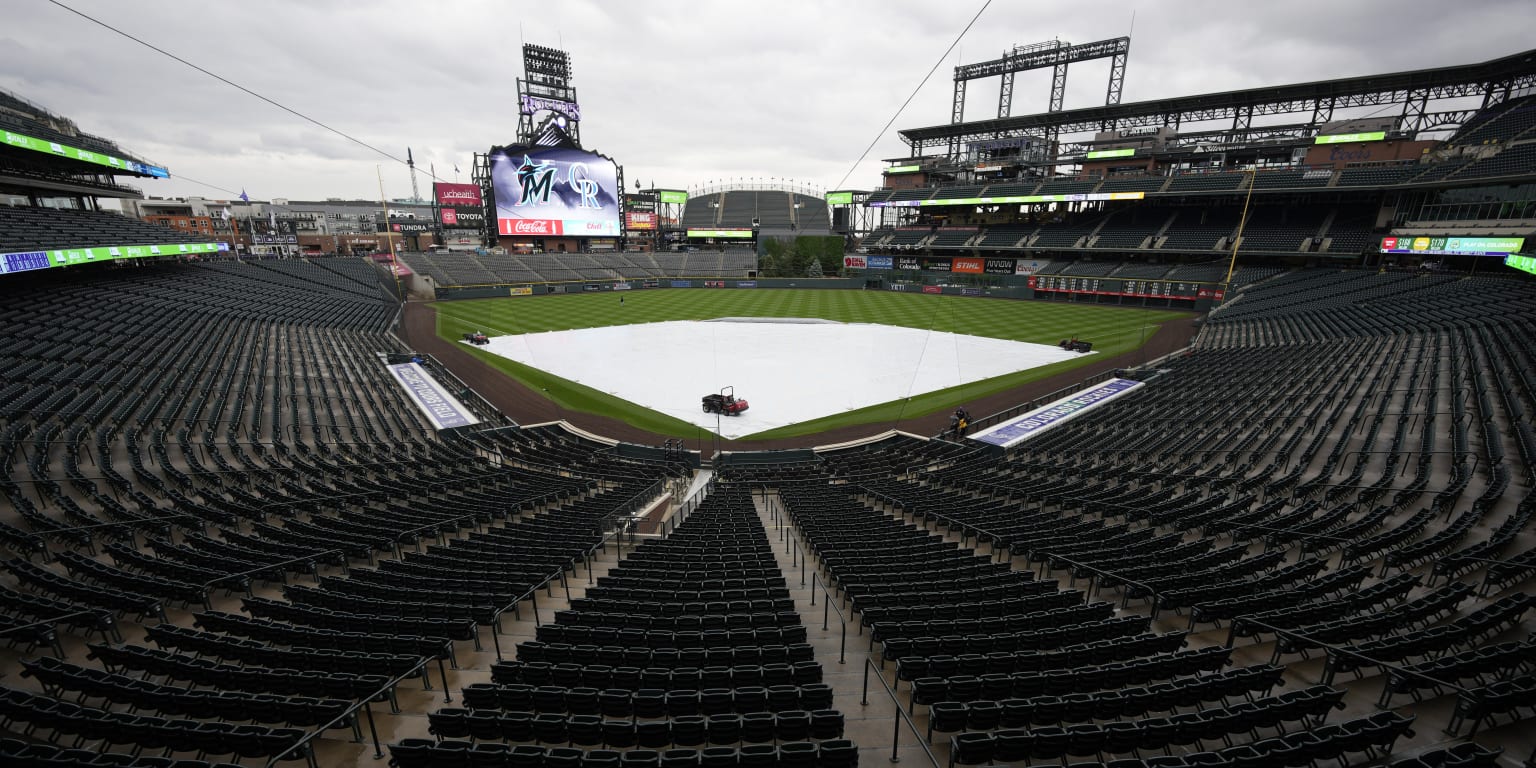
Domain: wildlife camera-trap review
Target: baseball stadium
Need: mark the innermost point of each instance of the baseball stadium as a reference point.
(1084, 433)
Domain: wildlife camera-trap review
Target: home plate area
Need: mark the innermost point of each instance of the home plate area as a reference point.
(789, 370)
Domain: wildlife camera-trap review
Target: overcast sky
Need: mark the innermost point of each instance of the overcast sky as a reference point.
(679, 93)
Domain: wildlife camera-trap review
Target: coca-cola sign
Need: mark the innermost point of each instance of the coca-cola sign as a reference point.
(452, 195)
(546, 227)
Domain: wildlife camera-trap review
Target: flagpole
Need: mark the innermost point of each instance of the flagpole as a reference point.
(250, 227)
(234, 223)
(389, 235)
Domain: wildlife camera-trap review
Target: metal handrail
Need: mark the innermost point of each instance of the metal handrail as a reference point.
(56, 619)
(900, 716)
(270, 566)
(826, 603)
(1471, 694)
(533, 595)
(58, 648)
(364, 704)
(1101, 572)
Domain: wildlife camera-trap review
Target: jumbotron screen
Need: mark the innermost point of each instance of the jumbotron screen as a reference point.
(554, 192)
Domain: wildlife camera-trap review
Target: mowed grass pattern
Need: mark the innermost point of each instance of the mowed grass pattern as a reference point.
(1112, 330)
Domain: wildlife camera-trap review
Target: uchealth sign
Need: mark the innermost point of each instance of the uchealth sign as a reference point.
(456, 195)
(855, 262)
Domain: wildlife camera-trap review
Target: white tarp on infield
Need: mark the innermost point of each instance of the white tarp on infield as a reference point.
(789, 371)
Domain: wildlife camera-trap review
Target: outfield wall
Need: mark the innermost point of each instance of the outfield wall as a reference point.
(448, 293)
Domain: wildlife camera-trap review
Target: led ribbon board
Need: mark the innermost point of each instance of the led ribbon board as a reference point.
(1015, 199)
(1522, 263)
(1452, 246)
(1351, 138)
(23, 141)
(26, 261)
(746, 233)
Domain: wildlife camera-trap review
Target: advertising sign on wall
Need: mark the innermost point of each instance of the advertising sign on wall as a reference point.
(639, 220)
(23, 141)
(1453, 246)
(462, 218)
(721, 233)
(24, 261)
(1522, 263)
(968, 266)
(457, 195)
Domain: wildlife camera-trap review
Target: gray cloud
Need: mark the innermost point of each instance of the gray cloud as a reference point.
(680, 93)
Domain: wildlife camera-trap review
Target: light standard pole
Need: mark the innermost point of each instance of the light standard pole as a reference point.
(1226, 286)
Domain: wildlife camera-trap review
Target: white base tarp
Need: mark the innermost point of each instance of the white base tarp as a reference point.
(790, 371)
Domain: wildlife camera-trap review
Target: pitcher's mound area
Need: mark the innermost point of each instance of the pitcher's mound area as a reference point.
(789, 370)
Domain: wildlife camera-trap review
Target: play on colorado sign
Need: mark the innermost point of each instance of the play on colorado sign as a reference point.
(1020, 428)
(440, 408)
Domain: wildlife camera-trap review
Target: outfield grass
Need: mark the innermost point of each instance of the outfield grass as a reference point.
(1112, 330)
